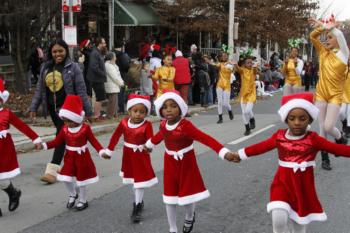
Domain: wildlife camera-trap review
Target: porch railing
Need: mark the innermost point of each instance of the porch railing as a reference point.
(209, 51)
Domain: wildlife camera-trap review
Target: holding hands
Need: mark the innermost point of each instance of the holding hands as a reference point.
(232, 157)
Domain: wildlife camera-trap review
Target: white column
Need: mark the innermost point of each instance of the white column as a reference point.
(230, 26)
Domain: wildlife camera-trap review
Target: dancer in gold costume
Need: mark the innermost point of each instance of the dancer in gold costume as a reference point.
(333, 59)
(345, 107)
(165, 75)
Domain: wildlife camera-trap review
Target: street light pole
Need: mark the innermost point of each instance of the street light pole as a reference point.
(230, 27)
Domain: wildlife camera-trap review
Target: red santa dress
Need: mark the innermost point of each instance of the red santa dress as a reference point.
(78, 163)
(136, 164)
(293, 187)
(183, 183)
(8, 159)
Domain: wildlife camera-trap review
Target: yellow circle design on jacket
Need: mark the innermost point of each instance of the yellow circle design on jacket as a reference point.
(54, 81)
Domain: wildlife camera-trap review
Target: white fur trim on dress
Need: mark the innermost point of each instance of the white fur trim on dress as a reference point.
(87, 182)
(223, 152)
(135, 101)
(175, 200)
(64, 178)
(108, 152)
(72, 116)
(126, 180)
(4, 96)
(37, 140)
(170, 95)
(294, 215)
(149, 144)
(298, 103)
(242, 154)
(146, 184)
(10, 174)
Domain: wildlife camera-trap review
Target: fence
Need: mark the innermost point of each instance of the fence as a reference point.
(209, 51)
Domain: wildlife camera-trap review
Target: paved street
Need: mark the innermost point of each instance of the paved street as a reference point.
(239, 193)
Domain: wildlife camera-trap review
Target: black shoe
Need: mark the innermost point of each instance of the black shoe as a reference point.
(345, 124)
(188, 225)
(81, 207)
(247, 130)
(70, 205)
(347, 132)
(138, 214)
(230, 114)
(342, 140)
(252, 123)
(220, 119)
(14, 196)
(0, 213)
(326, 163)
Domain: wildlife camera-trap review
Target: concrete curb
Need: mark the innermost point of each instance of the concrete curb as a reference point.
(27, 145)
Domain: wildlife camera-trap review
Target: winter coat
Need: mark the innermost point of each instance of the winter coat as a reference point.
(114, 79)
(183, 74)
(96, 72)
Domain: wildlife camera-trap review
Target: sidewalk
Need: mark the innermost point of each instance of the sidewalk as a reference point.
(23, 144)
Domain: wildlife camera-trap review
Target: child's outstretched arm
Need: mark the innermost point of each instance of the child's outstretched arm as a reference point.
(114, 140)
(322, 144)
(25, 129)
(153, 141)
(59, 140)
(94, 142)
(258, 148)
(196, 134)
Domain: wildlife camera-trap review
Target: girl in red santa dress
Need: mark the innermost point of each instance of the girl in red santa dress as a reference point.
(293, 194)
(183, 183)
(8, 159)
(136, 163)
(78, 168)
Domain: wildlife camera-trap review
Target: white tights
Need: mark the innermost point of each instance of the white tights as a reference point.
(289, 90)
(247, 112)
(280, 220)
(345, 113)
(223, 100)
(327, 119)
(171, 214)
(71, 187)
(139, 195)
(4, 183)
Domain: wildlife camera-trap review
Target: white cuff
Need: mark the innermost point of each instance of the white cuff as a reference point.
(44, 145)
(242, 154)
(108, 152)
(37, 140)
(101, 152)
(223, 152)
(149, 144)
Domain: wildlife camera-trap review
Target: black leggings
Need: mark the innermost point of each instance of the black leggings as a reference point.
(59, 151)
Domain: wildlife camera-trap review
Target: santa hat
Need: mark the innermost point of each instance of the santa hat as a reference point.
(84, 43)
(173, 95)
(155, 47)
(300, 100)
(134, 99)
(178, 53)
(4, 94)
(72, 109)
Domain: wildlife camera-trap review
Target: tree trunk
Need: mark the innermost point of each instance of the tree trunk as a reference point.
(20, 71)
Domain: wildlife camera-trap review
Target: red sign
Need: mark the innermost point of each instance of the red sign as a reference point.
(76, 5)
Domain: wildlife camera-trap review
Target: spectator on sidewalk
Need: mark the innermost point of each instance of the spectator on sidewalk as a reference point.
(96, 74)
(213, 74)
(113, 84)
(86, 47)
(154, 63)
(123, 62)
(182, 78)
(146, 87)
(59, 77)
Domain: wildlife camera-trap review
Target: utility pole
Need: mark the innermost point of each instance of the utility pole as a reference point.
(231, 27)
(70, 23)
(111, 23)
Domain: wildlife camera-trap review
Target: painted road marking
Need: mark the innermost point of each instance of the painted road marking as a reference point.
(242, 139)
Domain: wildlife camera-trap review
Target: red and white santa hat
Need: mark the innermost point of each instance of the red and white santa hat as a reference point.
(84, 43)
(72, 109)
(300, 100)
(134, 99)
(174, 95)
(4, 94)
